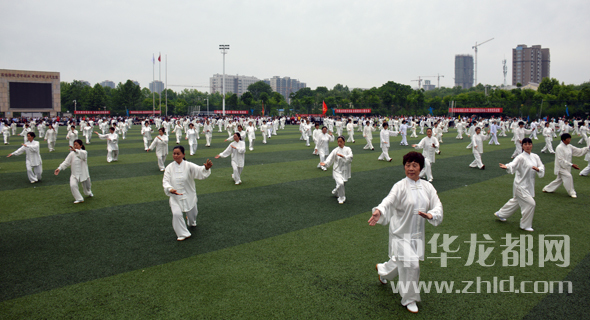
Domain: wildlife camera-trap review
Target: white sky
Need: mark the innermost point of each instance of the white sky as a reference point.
(361, 44)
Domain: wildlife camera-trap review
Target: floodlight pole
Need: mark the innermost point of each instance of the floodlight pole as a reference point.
(223, 48)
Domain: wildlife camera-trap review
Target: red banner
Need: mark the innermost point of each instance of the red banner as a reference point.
(92, 112)
(145, 112)
(352, 110)
(476, 110)
(310, 115)
(232, 111)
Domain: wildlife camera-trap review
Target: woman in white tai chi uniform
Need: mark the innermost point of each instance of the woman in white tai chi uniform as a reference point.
(548, 134)
(251, 133)
(237, 150)
(72, 135)
(160, 143)
(146, 132)
(33, 160)
(368, 135)
(178, 131)
(524, 166)
(112, 144)
(179, 185)
(77, 160)
(6, 133)
(430, 145)
(341, 157)
(384, 136)
(50, 137)
(191, 136)
(410, 202)
(563, 165)
(322, 146)
(477, 148)
(208, 131)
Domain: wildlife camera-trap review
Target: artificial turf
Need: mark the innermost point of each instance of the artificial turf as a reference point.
(277, 246)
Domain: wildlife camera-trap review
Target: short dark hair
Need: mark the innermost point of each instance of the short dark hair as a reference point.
(385, 124)
(520, 123)
(341, 137)
(163, 130)
(414, 156)
(565, 136)
(527, 140)
(31, 133)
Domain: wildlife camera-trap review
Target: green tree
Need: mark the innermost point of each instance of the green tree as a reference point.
(258, 88)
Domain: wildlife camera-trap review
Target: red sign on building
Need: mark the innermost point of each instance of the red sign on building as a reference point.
(475, 110)
(232, 111)
(310, 115)
(352, 110)
(92, 112)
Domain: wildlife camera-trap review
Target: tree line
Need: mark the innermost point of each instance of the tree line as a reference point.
(552, 99)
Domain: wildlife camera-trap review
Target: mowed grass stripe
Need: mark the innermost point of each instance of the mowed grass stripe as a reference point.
(319, 272)
(136, 183)
(303, 200)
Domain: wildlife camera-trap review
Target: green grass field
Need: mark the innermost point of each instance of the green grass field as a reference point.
(279, 246)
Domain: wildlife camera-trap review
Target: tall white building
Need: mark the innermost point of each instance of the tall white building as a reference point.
(108, 83)
(233, 83)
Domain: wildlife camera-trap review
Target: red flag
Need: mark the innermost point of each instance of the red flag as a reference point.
(324, 108)
(160, 58)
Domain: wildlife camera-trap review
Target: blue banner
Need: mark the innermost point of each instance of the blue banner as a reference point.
(430, 109)
(566, 111)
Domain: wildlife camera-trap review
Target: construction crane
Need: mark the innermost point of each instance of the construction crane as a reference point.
(438, 78)
(475, 47)
(420, 80)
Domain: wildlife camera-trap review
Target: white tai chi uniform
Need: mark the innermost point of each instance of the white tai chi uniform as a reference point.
(583, 133)
(368, 134)
(25, 132)
(33, 160)
(428, 153)
(181, 177)
(406, 232)
(264, 130)
(6, 134)
(191, 136)
(77, 160)
(384, 136)
(208, 131)
(548, 134)
(350, 130)
(518, 136)
(403, 130)
(477, 149)
(146, 131)
(494, 134)
(160, 144)
(51, 136)
(341, 171)
(322, 147)
(178, 131)
(563, 167)
(72, 136)
(586, 170)
(112, 145)
(251, 134)
(237, 158)
(523, 190)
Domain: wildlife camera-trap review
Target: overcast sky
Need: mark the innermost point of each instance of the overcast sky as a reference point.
(361, 44)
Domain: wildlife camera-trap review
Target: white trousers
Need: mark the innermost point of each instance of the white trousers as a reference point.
(251, 144)
(34, 172)
(6, 136)
(583, 139)
(384, 154)
(264, 137)
(369, 144)
(237, 172)
(427, 170)
(112, 155)
(88, 139)
(86, 184)
(51, 145)
(565, 178)
(350, 136)
(527, 207)
(517, 150)
(339, 186)
(477, 162)
(322, 159)
(409, 275)
(192, 147)
(586, 170)
(208, 139)
(162, 162)
(146, 143)
(459, 135)
(177, 138)
(178, 222)
(404, 140)
(548, 145)
(494, 139)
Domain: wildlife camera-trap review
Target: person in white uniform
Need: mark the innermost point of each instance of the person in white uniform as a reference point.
(191, 136)
(525, 166)
(33, 160)
(160, 144)
(26, 130)
(519, 134)
(408, 205)
(77, 159)
(146, 132)
(548, 134)
(368, 135)
(563, 165)
(208, 131)
(322, 146)
(178, 131)
(350, 130)
(51, 137)
(72, 135)
(341, 158)
(251, 134)
(179, 185)
(237, 150)
(384, 136)
(6, 133)
(477, 148)
(112, 144)
(403, 130)
(429, 144)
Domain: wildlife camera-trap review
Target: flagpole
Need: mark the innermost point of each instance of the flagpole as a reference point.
(160, 78)
(166, 86)
(153, 83)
